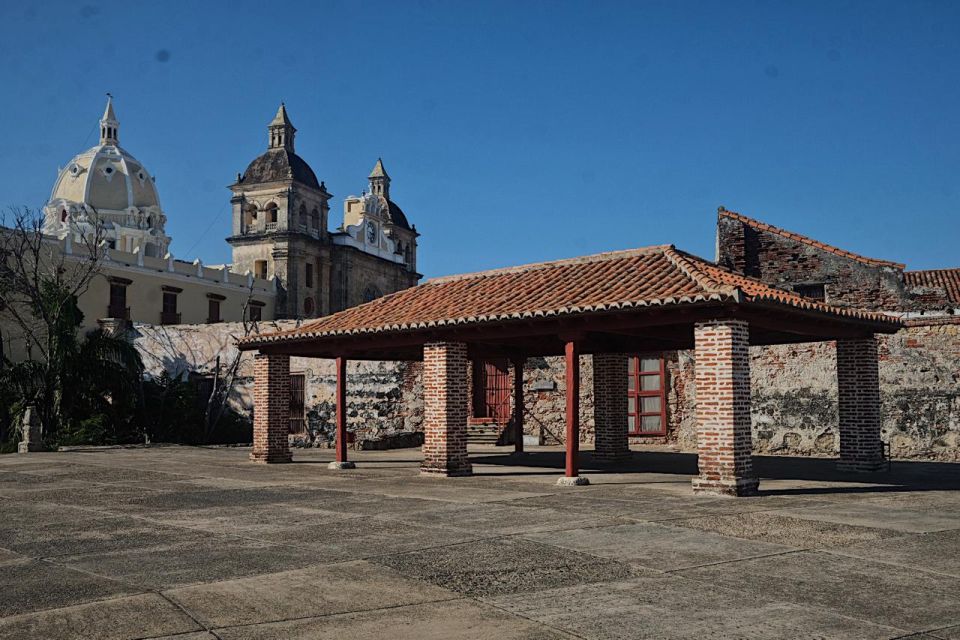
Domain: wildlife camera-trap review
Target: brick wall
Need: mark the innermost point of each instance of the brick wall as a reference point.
(858, 400)
(610, 406)
(271, 408)
(445, 409)
(722, 375)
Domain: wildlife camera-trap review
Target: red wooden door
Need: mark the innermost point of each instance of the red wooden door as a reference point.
(297, 422)
(497, 387)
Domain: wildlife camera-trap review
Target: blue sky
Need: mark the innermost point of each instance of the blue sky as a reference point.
(516, 131)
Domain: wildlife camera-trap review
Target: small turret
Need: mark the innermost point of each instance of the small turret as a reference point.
(379, 180)
(109, 125)
(281, 130)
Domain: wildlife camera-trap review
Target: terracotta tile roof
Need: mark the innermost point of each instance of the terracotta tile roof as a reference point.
(947, 280)
(769, 228)
(647, 277)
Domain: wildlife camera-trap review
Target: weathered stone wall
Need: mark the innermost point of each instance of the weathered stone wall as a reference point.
(383, 398)
(793, 390)
(785, 262)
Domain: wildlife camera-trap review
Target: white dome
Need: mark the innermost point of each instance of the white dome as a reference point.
(106, 178)
(108, 187)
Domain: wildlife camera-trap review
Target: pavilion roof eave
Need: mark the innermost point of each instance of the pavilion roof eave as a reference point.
(781, 323)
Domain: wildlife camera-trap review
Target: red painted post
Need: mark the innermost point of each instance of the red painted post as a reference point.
(341, 437)
(518, 405)
(573, 407)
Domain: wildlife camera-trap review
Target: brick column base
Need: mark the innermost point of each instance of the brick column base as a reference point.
(722, 377)
(271, 408)
(858, 395)
(611, 443)
(445, 409)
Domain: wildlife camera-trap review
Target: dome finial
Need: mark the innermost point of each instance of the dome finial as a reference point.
(379, 180)
(281, 130)
(109, 125)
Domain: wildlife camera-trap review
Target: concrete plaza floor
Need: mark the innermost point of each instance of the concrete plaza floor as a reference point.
(196, 543)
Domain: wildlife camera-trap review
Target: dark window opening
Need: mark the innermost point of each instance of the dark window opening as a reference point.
(255, 312)
(168, 314)
(646, 396)
(309, 279)
(117, 307)
(213, 311)
(814, 291)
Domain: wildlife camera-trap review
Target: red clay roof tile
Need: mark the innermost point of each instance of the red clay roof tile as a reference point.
(651, 276)
(946, 279)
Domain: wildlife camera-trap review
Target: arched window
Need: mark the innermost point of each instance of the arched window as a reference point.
(302, 215)
(408, 256)
(272, 213)
(63, 216)
(308, 307)
(315, 218)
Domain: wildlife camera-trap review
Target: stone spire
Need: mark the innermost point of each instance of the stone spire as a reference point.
(281, 130)
(109, 125)
(379, 180)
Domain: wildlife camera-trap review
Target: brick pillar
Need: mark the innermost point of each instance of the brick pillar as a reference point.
(610, 407)
(271, 408)
(858, 391)
(722, 378)
(445, 409)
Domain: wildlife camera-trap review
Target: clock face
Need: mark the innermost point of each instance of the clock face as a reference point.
(371, 233)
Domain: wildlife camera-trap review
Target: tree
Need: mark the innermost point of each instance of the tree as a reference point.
(68, 378)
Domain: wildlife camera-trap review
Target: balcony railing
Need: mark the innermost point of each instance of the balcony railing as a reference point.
(169, 317)
(270, 226)
(116, 311)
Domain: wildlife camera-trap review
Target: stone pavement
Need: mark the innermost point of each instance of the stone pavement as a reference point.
(195, 543)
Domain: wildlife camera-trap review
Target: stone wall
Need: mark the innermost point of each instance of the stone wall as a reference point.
(793, 390)
(783, 260)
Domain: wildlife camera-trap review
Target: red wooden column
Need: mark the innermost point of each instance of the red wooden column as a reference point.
(518, 405)
(341, 435)
(572, 476)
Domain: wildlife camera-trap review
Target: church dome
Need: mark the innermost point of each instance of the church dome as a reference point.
(105, 186)
(106, 178)
(280, 163)
(277, 165)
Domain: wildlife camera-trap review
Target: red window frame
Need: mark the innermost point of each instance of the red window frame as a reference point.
(636, 393)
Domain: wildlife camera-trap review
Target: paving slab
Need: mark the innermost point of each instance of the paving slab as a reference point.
(7, 556)
(248, 521)
(799, 533)
(444, 489)
(666, 607)
(937, 552)
(210, 559)
(139, 616)
(34, 585)
(457, 620)
(491, 567)
(498, 519)
(904, 598)
(656, 546)
(880, 516)
(90, 535)
(363, 536)
(315, 591)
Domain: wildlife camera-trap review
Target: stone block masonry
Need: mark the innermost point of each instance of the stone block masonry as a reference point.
(858, 393)
(723, 408)
(794, 390)
(271, 408)
(445, 395)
